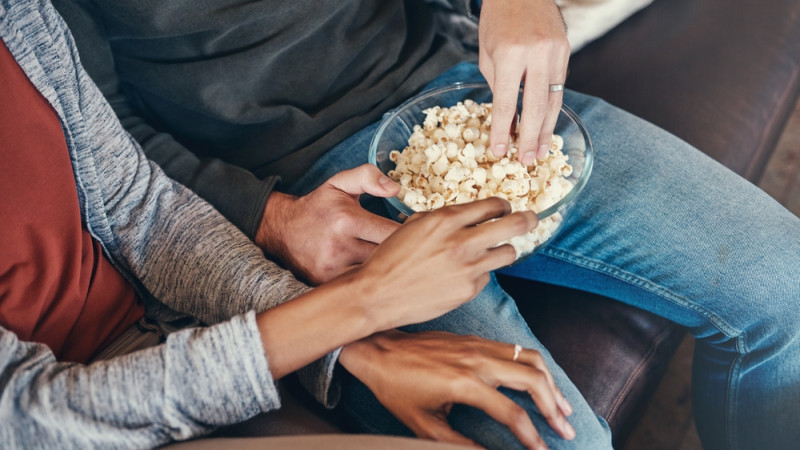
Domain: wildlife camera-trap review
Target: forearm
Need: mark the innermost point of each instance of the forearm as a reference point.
(197, 380)
(198, 263)
(331, 315)
(170, 244)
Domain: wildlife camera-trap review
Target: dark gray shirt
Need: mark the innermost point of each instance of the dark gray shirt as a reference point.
(266, 86)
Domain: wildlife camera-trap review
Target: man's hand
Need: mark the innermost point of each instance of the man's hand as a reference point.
(434, 262)
(322, 234)
(419, 376)
(523, 41)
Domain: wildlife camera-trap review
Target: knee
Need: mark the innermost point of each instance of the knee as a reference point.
(774, 329)
(762, 324)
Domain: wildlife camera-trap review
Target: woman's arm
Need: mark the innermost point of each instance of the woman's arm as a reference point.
(176, 246)
(199, 379)
(204, 377)
(432, 264)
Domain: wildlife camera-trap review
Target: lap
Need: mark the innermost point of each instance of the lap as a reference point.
(660, 225)
(663, 227)
(491, 315)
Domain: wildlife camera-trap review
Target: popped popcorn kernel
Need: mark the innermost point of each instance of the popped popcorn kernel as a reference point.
(447, 161)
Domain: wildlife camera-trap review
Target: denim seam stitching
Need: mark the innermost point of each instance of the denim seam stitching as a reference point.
(634, 280)
(616, 272)
(733, 391)
(626, 388)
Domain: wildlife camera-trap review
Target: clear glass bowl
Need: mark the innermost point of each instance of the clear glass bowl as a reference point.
(397, 126)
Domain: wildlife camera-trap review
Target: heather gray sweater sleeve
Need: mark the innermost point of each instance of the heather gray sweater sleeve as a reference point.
(173, 245)
(233, 191)
(171, 392)
(168, 242)
(178, 248)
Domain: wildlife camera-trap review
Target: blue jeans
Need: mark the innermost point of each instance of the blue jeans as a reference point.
(662, 227)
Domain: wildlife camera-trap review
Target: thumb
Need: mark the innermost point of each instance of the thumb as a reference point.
(365, 179)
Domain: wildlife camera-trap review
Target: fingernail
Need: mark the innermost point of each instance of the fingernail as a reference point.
(569, 432)
(543, 149)
(528, 157)
(499, 150)
(565, 406)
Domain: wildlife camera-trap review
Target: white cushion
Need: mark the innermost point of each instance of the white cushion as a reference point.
(587, 20)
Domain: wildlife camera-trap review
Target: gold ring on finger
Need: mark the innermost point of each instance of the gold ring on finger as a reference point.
(517, 351)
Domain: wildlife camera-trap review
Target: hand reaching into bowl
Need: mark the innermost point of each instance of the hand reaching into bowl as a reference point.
(446, 254)
(434, 262)
(523, 41)
(326, 232)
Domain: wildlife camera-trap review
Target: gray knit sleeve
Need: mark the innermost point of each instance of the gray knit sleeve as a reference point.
(200, 378)
(177, 247)
(173, 246)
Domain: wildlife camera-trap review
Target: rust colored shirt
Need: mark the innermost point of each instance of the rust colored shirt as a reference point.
(56, 285)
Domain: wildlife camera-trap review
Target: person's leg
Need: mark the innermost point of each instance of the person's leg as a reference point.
(662, 227)
(493, 315)
(665, 228)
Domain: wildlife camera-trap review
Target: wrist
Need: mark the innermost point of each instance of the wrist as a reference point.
(369, 294)
(359, 357)
(269, 236)
(297, 332)
(354, 356)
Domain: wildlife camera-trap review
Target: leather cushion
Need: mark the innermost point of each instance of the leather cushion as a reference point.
(723, 77)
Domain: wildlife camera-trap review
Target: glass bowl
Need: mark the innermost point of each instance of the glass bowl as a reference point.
(397, 125)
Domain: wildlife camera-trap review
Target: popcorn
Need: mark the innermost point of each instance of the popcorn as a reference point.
(447, 162)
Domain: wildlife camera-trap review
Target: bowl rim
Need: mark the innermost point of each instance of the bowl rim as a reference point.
(577, 188)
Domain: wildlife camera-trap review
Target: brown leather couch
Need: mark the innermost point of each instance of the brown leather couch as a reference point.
(723, 75)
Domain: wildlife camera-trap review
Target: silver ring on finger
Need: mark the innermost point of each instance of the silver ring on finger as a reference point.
(556, 87)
